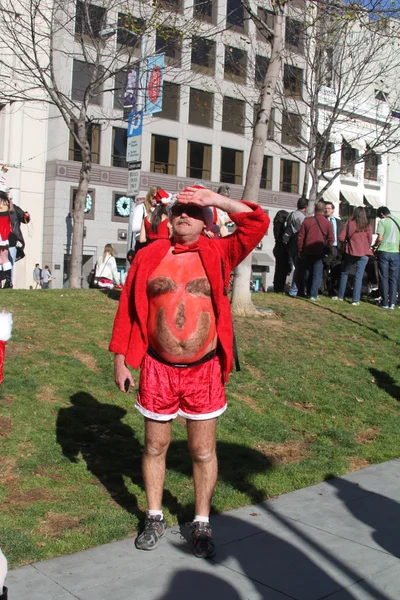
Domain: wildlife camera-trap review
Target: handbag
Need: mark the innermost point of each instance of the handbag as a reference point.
(92, 280)
(327, 248)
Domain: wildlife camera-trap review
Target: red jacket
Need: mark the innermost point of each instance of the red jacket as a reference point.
(359, 241)
(311, 241)
(219, 256)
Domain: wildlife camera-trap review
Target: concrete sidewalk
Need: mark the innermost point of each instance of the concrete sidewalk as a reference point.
(338, 540)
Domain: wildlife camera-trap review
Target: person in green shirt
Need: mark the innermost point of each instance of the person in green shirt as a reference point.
(387, 246)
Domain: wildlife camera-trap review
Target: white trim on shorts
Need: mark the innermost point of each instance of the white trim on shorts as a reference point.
(161, 417)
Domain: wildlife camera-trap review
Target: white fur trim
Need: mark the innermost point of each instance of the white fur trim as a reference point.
(204, 417)
(7, 266)
(154, 416)
(5, 325)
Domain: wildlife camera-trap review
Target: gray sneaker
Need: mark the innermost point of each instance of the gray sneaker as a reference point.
(203, 545)
(154, 529)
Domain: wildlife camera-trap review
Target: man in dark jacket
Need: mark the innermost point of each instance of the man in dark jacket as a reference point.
(315, 240)
(282, 266)
(333, 261)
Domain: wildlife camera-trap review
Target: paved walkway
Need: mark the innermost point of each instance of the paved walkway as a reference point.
(338, 540)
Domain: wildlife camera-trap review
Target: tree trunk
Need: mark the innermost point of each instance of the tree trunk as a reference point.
(75, 273)
(241, 296)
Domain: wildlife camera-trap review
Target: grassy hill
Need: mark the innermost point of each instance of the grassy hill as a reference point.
(318, 394)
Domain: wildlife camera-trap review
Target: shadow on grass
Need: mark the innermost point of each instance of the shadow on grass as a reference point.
(350, 320)
(112, 452)
(386, 383)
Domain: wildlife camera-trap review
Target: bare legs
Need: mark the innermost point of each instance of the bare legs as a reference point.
(201, 441)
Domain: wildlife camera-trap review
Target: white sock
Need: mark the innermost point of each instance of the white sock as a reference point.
(201, 519)
(155, 513)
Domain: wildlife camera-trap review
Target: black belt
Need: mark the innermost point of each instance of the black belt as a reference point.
(203, 360)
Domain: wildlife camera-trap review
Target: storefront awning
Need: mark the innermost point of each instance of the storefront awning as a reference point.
(331, 196)
(352, 197)
(262, 259)
(373, 200)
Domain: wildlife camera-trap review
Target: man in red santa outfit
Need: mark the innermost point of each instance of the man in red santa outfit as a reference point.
(174, 322)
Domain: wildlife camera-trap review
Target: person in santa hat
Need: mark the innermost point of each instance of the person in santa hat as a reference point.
(5, 334)
(155, 225)
(174, 322)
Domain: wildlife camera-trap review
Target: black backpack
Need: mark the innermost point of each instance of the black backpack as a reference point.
(280, 225)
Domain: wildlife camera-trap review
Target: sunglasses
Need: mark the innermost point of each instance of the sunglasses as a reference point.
(196, 212)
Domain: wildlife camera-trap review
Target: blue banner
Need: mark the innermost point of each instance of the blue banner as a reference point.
(154, 86)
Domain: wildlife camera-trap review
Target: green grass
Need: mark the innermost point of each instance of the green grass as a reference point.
(318, 394)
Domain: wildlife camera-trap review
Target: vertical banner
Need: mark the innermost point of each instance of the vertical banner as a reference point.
(154, 86)
(131, 91)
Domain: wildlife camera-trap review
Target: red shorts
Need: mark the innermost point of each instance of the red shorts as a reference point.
(192, 392)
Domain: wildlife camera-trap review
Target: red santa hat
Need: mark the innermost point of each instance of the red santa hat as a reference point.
(163, 197)
(5, 334)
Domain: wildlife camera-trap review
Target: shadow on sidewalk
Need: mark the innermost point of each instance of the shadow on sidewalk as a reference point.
(378, 512)
(386, 383)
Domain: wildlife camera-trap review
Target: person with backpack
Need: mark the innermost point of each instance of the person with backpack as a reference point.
(293, 225)
(37, 276)
(280, 251)
(314, 241)
(387, 249)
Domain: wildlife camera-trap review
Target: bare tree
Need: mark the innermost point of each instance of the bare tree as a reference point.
(335, 111)
(38, 39)
(241, 296)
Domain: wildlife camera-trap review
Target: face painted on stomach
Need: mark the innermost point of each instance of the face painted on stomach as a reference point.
(181, 323)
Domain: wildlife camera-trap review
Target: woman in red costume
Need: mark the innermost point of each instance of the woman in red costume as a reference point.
(11, 239)
(155, 226)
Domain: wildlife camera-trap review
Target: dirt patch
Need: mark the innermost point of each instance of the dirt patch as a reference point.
(356, 463)
(16, 349)
(285, 453)
(54, 524)
(255, 373)
(47, 394)
(8, 469)
(247, 400)
(5, 426)
(49, 473)
(348, 363)
(7, 400)
(18, 498)
(304, 406)
(366, 436)
(87, 360)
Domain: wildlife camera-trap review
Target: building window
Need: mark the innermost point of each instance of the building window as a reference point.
(203, 56)
(119, 140)
(266, 173)
(201, 108)
(235, 64)
(89, 19)
(292, 81)
(82, 73)
(348, 158)
(269, 19)
(291, 129)
(289, 181)
(328, 75)
(323, 153)
(93, 133)
(262, 63)
(371, 216)
(371, 162)
(126, 90)
(381, 96)
(169, 4)
(203, 10)
(89, 204)
(198, 161)
(231, 166)
(130, 30)
(120, 208)
(235, 14)
(294, 36)
(170, 102)
(233, 115)
(169, 42)
(163, 154)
